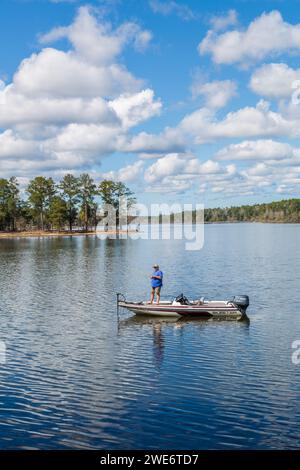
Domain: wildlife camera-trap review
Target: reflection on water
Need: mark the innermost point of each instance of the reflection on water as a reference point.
(75, 377)
(157, 325)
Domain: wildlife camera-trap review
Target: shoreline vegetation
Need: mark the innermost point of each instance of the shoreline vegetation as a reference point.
(285, 211)
(62, 233)
(78, 205)
(74, 204)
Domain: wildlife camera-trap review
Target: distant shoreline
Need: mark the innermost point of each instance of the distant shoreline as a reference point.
(59, 234)
(219, 222)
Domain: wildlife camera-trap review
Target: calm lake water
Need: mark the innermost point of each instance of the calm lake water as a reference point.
(73, 377)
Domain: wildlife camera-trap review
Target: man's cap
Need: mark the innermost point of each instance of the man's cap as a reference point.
(155, 266)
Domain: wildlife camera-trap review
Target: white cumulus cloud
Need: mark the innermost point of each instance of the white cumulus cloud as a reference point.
(267, 35)
(248, 122)
(176, 164)
(127, 174)
(216, 94)
(135, 108)
(275, 81)
(69, 109)
(258, 150)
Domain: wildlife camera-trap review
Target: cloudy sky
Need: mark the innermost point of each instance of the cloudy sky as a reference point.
(195, 101)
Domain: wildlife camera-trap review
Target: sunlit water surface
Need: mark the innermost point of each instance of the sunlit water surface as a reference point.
(73, 377)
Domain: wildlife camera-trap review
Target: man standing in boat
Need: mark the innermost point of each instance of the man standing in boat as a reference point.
(156, 284)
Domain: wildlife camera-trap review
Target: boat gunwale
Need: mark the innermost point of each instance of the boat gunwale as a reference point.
(169, 307)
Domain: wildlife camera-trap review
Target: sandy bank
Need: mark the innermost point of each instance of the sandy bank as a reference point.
(40, 234)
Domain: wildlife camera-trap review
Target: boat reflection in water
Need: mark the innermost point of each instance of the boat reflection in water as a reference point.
(159, 326)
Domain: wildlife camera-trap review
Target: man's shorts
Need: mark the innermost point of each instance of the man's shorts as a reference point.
(156, 290)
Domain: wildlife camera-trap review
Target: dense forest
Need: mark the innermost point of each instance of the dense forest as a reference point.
(73, 203)
(280, 211)
(46, 205)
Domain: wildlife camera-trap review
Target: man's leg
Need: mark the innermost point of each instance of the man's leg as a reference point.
(157, 295)
(152, 296)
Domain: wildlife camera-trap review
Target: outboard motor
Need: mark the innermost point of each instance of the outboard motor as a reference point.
(241, 301)
(181, 299)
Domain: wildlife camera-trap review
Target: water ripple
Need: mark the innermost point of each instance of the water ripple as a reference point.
(75, 378)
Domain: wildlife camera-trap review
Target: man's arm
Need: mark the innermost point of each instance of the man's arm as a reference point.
(157, 277)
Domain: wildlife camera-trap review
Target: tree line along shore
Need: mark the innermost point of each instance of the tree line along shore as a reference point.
(69, 205)
(285, 211)
(72, 204)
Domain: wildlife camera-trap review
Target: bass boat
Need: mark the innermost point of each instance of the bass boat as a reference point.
(234, 308)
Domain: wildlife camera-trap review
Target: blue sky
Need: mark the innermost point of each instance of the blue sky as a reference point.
(192, 101)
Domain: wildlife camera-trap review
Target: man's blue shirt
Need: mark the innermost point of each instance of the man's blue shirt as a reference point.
(157, 282)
